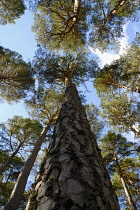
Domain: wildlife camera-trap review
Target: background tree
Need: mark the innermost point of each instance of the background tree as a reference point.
(9, 176)
(47, 106)
(117, 85)
(122, 162)
(108, 19)
(122, 73)
(65, 24)
(16, 76)
(18, 135)
(121, 112)
(11, 10)
(76, 66)
(44, 102)
(61, 23)
(94, 120)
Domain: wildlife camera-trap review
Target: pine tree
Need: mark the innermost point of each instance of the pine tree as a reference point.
(71, 152)
(11, 10)
(50, 112)
(122, 73)
(122, 162)
(117, 85)
(9, 175)
(93, 116)
(121, 112)
(16, 135)
(74, 173)
(16, 76)
(65, 24)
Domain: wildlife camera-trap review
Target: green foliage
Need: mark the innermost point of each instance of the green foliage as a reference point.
(120, 111)
(113, 145)
(133, 188)
(18, 133)
(14, 166)
(93, 117)
(24, 129)
(59, 25)
(116, 150)
(9, 176)
(55, 69)
(122, 73)
(11, 10)
(108, 18)
(126, 8)
(16, 76)
(114, 83)
(64, 26)
(45, 103)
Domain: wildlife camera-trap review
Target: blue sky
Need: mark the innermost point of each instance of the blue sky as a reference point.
(18, 37)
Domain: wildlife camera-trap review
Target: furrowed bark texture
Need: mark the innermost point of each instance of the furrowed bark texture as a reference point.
(73, 176)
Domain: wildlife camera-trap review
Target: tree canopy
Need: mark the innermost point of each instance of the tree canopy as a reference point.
(16, 76)
(64, 31)
(11, 10)
(122, 160)
(56, 69)
(69, 25)
(122, 73)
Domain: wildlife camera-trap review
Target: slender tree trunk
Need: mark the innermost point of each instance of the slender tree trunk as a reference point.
(19, 187)
(73, 176)
(3, 168)
(123, 86)
(128, 194)
(112, 12)
(76, 9)
(76, 6)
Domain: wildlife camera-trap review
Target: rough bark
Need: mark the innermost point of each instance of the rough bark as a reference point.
(73, 176)
(20, 185)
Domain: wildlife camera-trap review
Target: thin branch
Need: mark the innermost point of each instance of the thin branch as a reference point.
(109, 16)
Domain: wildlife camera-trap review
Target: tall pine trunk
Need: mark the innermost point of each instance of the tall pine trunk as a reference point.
(125, 187)
(20, 185)
(73, 176)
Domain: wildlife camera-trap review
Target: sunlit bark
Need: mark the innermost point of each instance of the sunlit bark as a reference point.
(73, 176)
